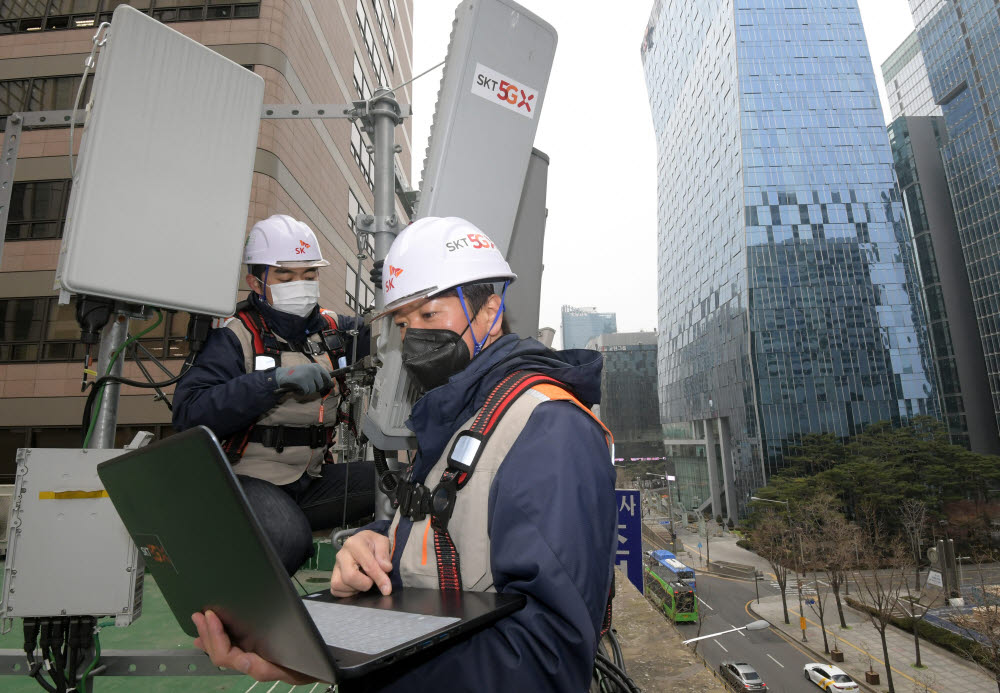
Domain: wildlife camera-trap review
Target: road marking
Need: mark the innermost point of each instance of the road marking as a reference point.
(776, 661)
(705, 603)
(720, 645)
(739, 631)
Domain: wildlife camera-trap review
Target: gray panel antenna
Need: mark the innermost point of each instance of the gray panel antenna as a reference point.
(164, 174)
(68, 553)
(492, 90)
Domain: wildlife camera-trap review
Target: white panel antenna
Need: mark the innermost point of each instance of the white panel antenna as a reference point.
(492, 90)
(162, 186)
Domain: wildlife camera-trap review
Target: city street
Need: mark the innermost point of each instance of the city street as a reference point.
(723, 605)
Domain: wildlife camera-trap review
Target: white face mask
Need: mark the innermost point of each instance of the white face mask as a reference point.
(297, 298)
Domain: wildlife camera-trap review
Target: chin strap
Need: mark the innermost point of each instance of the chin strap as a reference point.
(468, 319)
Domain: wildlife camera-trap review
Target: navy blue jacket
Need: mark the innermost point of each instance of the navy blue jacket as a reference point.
(552, 527)
(218, 392)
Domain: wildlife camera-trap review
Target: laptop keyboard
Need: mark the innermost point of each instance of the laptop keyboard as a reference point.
(370, 631)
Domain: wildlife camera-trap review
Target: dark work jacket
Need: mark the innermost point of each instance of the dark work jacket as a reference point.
(552, 527)
(218, 392)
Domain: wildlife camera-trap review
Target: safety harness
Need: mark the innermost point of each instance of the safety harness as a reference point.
(416, 501)
(265, 343)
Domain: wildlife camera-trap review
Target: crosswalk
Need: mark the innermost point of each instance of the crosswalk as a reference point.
(792, 589)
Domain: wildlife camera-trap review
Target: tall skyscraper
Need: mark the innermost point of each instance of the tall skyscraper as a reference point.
(580, 325)
(916, 136)
(788, 297)
(960, 42)
(308, 51)
(907, 82)
(629, 405)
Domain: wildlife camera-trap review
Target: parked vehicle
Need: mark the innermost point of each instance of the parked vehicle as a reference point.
(741, 676)
(829, 677)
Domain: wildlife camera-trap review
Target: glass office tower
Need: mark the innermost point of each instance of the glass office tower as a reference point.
(960, 41)
(788, 299)
(580, 325)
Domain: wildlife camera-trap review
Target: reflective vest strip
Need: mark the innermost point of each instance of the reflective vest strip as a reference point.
(558, 393)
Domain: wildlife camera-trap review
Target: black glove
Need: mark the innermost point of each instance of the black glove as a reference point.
(305, 379)
(376, 274)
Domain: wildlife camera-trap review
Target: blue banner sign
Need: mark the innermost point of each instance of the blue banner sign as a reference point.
(629, 552)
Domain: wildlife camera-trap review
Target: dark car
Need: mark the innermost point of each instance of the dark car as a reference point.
(741, 676)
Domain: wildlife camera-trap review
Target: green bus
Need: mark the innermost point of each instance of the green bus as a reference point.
(677, 599)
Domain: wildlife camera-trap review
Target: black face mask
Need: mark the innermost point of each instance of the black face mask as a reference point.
(433, 356)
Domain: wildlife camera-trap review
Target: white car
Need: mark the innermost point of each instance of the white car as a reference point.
(829, 677)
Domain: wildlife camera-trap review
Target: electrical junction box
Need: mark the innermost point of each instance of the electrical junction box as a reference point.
(158, 211)
(68, 553)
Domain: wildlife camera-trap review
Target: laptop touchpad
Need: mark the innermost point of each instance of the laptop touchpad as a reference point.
(370, 631)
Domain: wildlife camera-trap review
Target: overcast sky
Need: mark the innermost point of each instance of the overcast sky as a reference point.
(600, 239)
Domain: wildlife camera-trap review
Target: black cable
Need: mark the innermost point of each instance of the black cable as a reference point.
(30, 626)
(103, 380)
(608, 670)
(616, 674)
(616, 648)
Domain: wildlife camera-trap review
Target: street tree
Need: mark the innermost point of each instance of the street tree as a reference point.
(913, 517)
(981, 624)
(880, 577)
(774, 540)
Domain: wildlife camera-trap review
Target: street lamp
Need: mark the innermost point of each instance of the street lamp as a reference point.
(670, 509)
(802, 559)
(754, 625)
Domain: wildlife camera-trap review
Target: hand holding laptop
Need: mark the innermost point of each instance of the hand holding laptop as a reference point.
(213, 640)
(363, 562)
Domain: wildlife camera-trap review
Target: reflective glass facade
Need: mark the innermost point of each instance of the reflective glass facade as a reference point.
(906, 81)
(629, 406)
(788, 299)
(960, 40)
(580, 325)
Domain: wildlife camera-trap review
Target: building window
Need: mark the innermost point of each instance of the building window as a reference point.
(37, 210)
(364, 289)
(40, 94)
(60, 437)
(353, 210)
(22, 16)
(39, 329)
(368, 38)
(360, 81)
(362, 157)
(383, 27)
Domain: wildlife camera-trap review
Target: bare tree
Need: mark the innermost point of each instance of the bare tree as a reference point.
(844, 552)
(818, 548)
(774, 541)
(913, 517)
(880, 578)
(982, 622)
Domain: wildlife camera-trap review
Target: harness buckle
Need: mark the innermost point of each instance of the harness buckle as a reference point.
(318, 436)
(333, 342)
(279, 439)
(443, 501)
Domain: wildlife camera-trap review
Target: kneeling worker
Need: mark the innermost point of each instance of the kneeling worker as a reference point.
(536, 513)
(262, 384)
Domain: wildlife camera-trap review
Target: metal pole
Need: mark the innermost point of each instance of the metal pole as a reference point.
(673, 528)
(115, 334)
(385, 116)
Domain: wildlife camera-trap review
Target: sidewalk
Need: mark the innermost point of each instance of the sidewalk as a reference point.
(943, 671)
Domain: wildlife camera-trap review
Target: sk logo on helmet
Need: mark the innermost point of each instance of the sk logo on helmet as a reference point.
(393, 273)
(302, 248)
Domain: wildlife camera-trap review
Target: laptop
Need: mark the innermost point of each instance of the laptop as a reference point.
(187, 513)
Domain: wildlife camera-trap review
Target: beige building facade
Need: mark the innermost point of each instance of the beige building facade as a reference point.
(319, 171)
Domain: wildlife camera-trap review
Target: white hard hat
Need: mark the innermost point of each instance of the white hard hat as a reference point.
(281, 241)
(438, 253)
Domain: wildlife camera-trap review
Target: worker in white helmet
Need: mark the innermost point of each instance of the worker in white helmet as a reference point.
(262, 383)
(512, 487)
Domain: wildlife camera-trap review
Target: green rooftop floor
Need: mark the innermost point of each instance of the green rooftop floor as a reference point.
(156, 629)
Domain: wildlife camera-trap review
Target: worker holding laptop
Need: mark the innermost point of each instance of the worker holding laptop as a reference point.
(511, 489)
